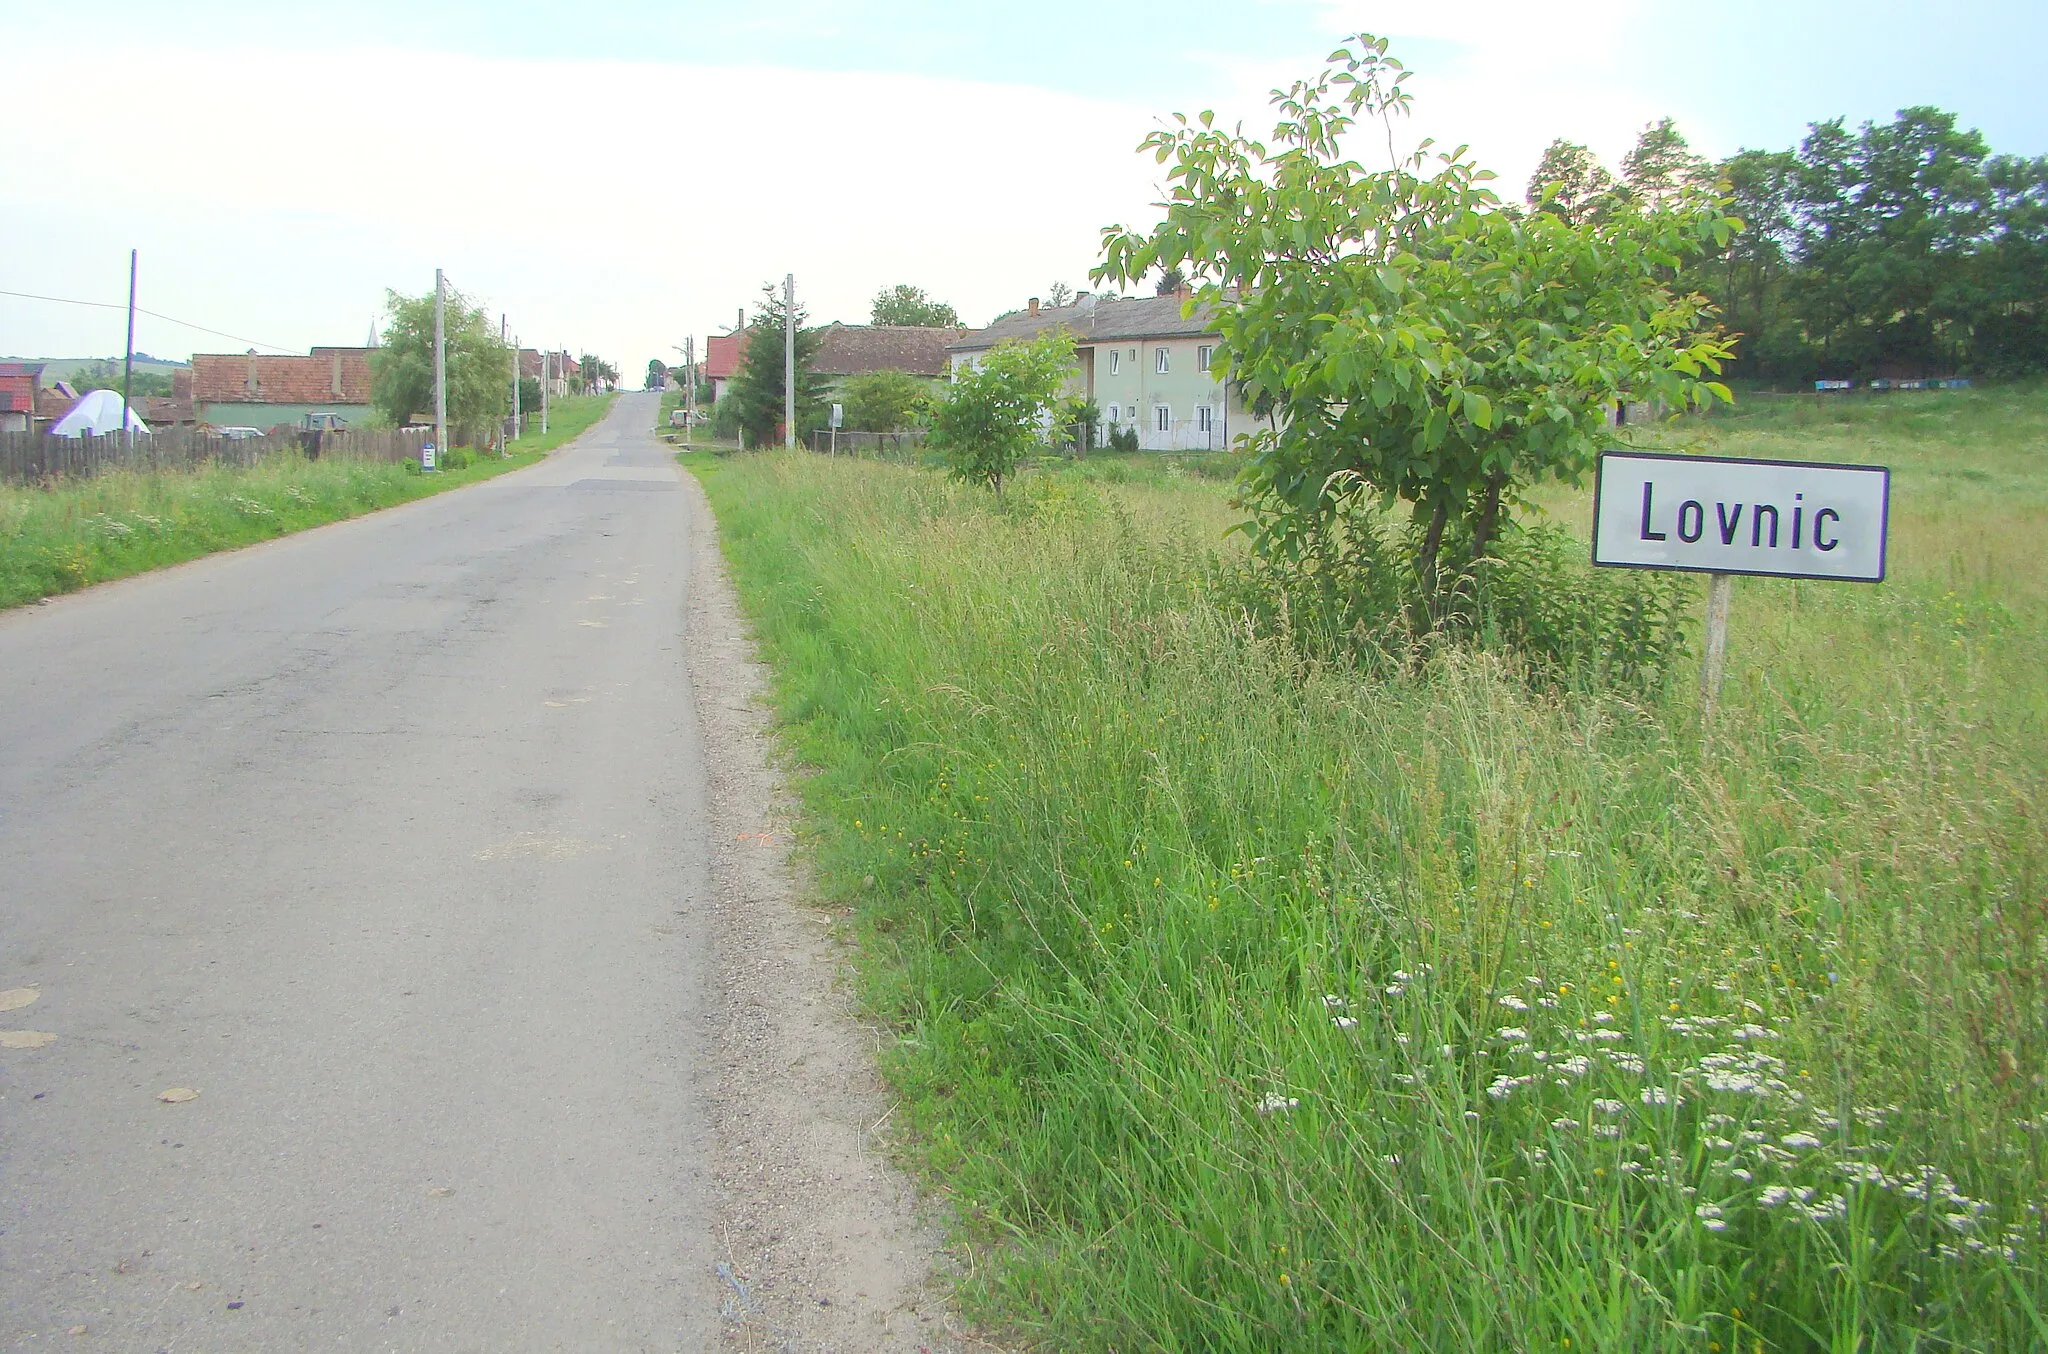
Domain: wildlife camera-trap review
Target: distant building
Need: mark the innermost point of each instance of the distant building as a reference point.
(255, 391)
(722, 353)
(1142, 362)
(19, 382)
(855, 349)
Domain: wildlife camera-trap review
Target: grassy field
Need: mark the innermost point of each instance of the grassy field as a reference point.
(75, 533)
(1241, 1002)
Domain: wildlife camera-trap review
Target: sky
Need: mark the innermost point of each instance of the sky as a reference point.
(612, 177)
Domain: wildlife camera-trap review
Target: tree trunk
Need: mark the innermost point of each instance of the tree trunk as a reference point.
(1432, 541)
(1484, 530)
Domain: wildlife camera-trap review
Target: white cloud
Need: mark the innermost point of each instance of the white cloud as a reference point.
(613, 205)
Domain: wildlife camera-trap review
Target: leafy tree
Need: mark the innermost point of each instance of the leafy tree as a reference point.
(596, 374)
(1417, 343)
(1002, 408)
(1661, 169)
(479, 365)
(908, 305)
(881, 401)
(756, 389)
(1170, 281)
(529, 396)
(1571, 182)
(657, 373)
(1059, 294)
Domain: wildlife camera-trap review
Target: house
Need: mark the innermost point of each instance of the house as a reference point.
(255, 391)
(19, 382)
(722, 360)
(856, 349)
(1144, 365)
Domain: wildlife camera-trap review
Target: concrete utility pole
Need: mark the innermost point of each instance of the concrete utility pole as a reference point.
(128, 362)
(690, 394)
(547, 378)
(789, 360)
(518, 414)
(440, 371)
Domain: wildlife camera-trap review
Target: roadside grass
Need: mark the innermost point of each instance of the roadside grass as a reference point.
(568, 418)
(1242, 1002)
(72, 534)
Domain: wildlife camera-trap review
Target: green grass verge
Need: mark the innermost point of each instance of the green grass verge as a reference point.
(568, 418)
(76, 533)
(1241, 1003)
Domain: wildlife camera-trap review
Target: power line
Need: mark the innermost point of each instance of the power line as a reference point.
(108, 305)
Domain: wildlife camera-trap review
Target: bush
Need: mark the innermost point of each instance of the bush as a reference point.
(1123, 439)
(457, 458)
(1356, 595)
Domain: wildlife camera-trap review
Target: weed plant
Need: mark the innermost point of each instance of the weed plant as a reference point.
(1246, 1001)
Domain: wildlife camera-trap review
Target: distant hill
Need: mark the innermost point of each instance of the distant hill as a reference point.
(60, 368)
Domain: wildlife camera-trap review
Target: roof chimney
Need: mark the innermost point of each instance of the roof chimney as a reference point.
(1033, 304)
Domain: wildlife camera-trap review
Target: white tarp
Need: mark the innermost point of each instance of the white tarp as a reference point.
(97, 413)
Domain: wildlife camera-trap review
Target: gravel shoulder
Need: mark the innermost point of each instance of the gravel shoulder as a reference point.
(822, 1243)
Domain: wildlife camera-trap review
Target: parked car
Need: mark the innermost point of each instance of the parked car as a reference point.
(237, 433)
(678, 418)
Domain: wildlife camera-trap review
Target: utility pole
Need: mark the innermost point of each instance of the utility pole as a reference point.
(128, 362)
(440, 371)
(789, 360)
(690, 393)
(518, 414)
(547, 378)
(515, 381)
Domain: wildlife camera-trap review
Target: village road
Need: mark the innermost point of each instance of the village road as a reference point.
(387, 839)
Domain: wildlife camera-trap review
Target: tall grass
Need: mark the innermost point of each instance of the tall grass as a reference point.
(75, 533)
(1246, 1003)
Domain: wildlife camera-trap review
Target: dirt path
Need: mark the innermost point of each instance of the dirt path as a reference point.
(820, 1242)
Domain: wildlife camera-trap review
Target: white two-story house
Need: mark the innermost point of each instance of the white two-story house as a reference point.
(1143, 363)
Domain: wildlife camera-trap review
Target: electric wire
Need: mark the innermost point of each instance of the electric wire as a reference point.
(156, 315)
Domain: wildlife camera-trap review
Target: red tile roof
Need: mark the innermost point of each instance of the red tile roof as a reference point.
(327, 376)
(722, 355)
(852, 349)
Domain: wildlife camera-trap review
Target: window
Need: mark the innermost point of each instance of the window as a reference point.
(1162, 417)
(1202, 423)
(1116, 411)
(1115, 360)
(1159, 360)
(1203, 355)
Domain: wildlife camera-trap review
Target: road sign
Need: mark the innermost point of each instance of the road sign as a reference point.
(427, 456)
(838, 413)
(1722, 515)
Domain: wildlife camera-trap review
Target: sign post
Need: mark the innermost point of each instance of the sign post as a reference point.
(838, 413)
(1723, 516)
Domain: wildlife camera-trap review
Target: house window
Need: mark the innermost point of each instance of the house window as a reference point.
(1203, 355)
(1162, 417)
(1159, 360)
(1116, 411)
(1202, 414)
(1115, 360)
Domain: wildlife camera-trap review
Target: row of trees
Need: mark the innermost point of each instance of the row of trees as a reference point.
(479, 366)
(1905, 248)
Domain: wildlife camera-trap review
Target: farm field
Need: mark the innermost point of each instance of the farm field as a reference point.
(72, 534)
(1241, 1001)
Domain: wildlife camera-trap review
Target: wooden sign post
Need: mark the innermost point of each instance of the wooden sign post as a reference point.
(1722, 516)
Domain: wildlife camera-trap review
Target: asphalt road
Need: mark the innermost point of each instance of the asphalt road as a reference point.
(388, 840)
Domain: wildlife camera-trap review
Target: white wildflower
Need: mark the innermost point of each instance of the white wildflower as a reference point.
(1607, 1130)
(1512, 1002)
(1565, 1122)
(1275, 1103)
(1602, 1018)
(1344, 1022)
(1627, 1062)
(1806, 1140)
(1334, 1002)
(1609, 1107)
(1504, 1086)
(1395, 989)
(1532, 981)
(1773, 1195)
(1511, 1034)
(1575, 1066)
(1657, 1095)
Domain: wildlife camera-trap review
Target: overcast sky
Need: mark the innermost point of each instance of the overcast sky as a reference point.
(616, 176)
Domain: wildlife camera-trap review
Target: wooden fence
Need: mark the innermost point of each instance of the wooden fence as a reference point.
(32, 458)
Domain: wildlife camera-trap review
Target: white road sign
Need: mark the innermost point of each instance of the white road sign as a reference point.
(1720, 515)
